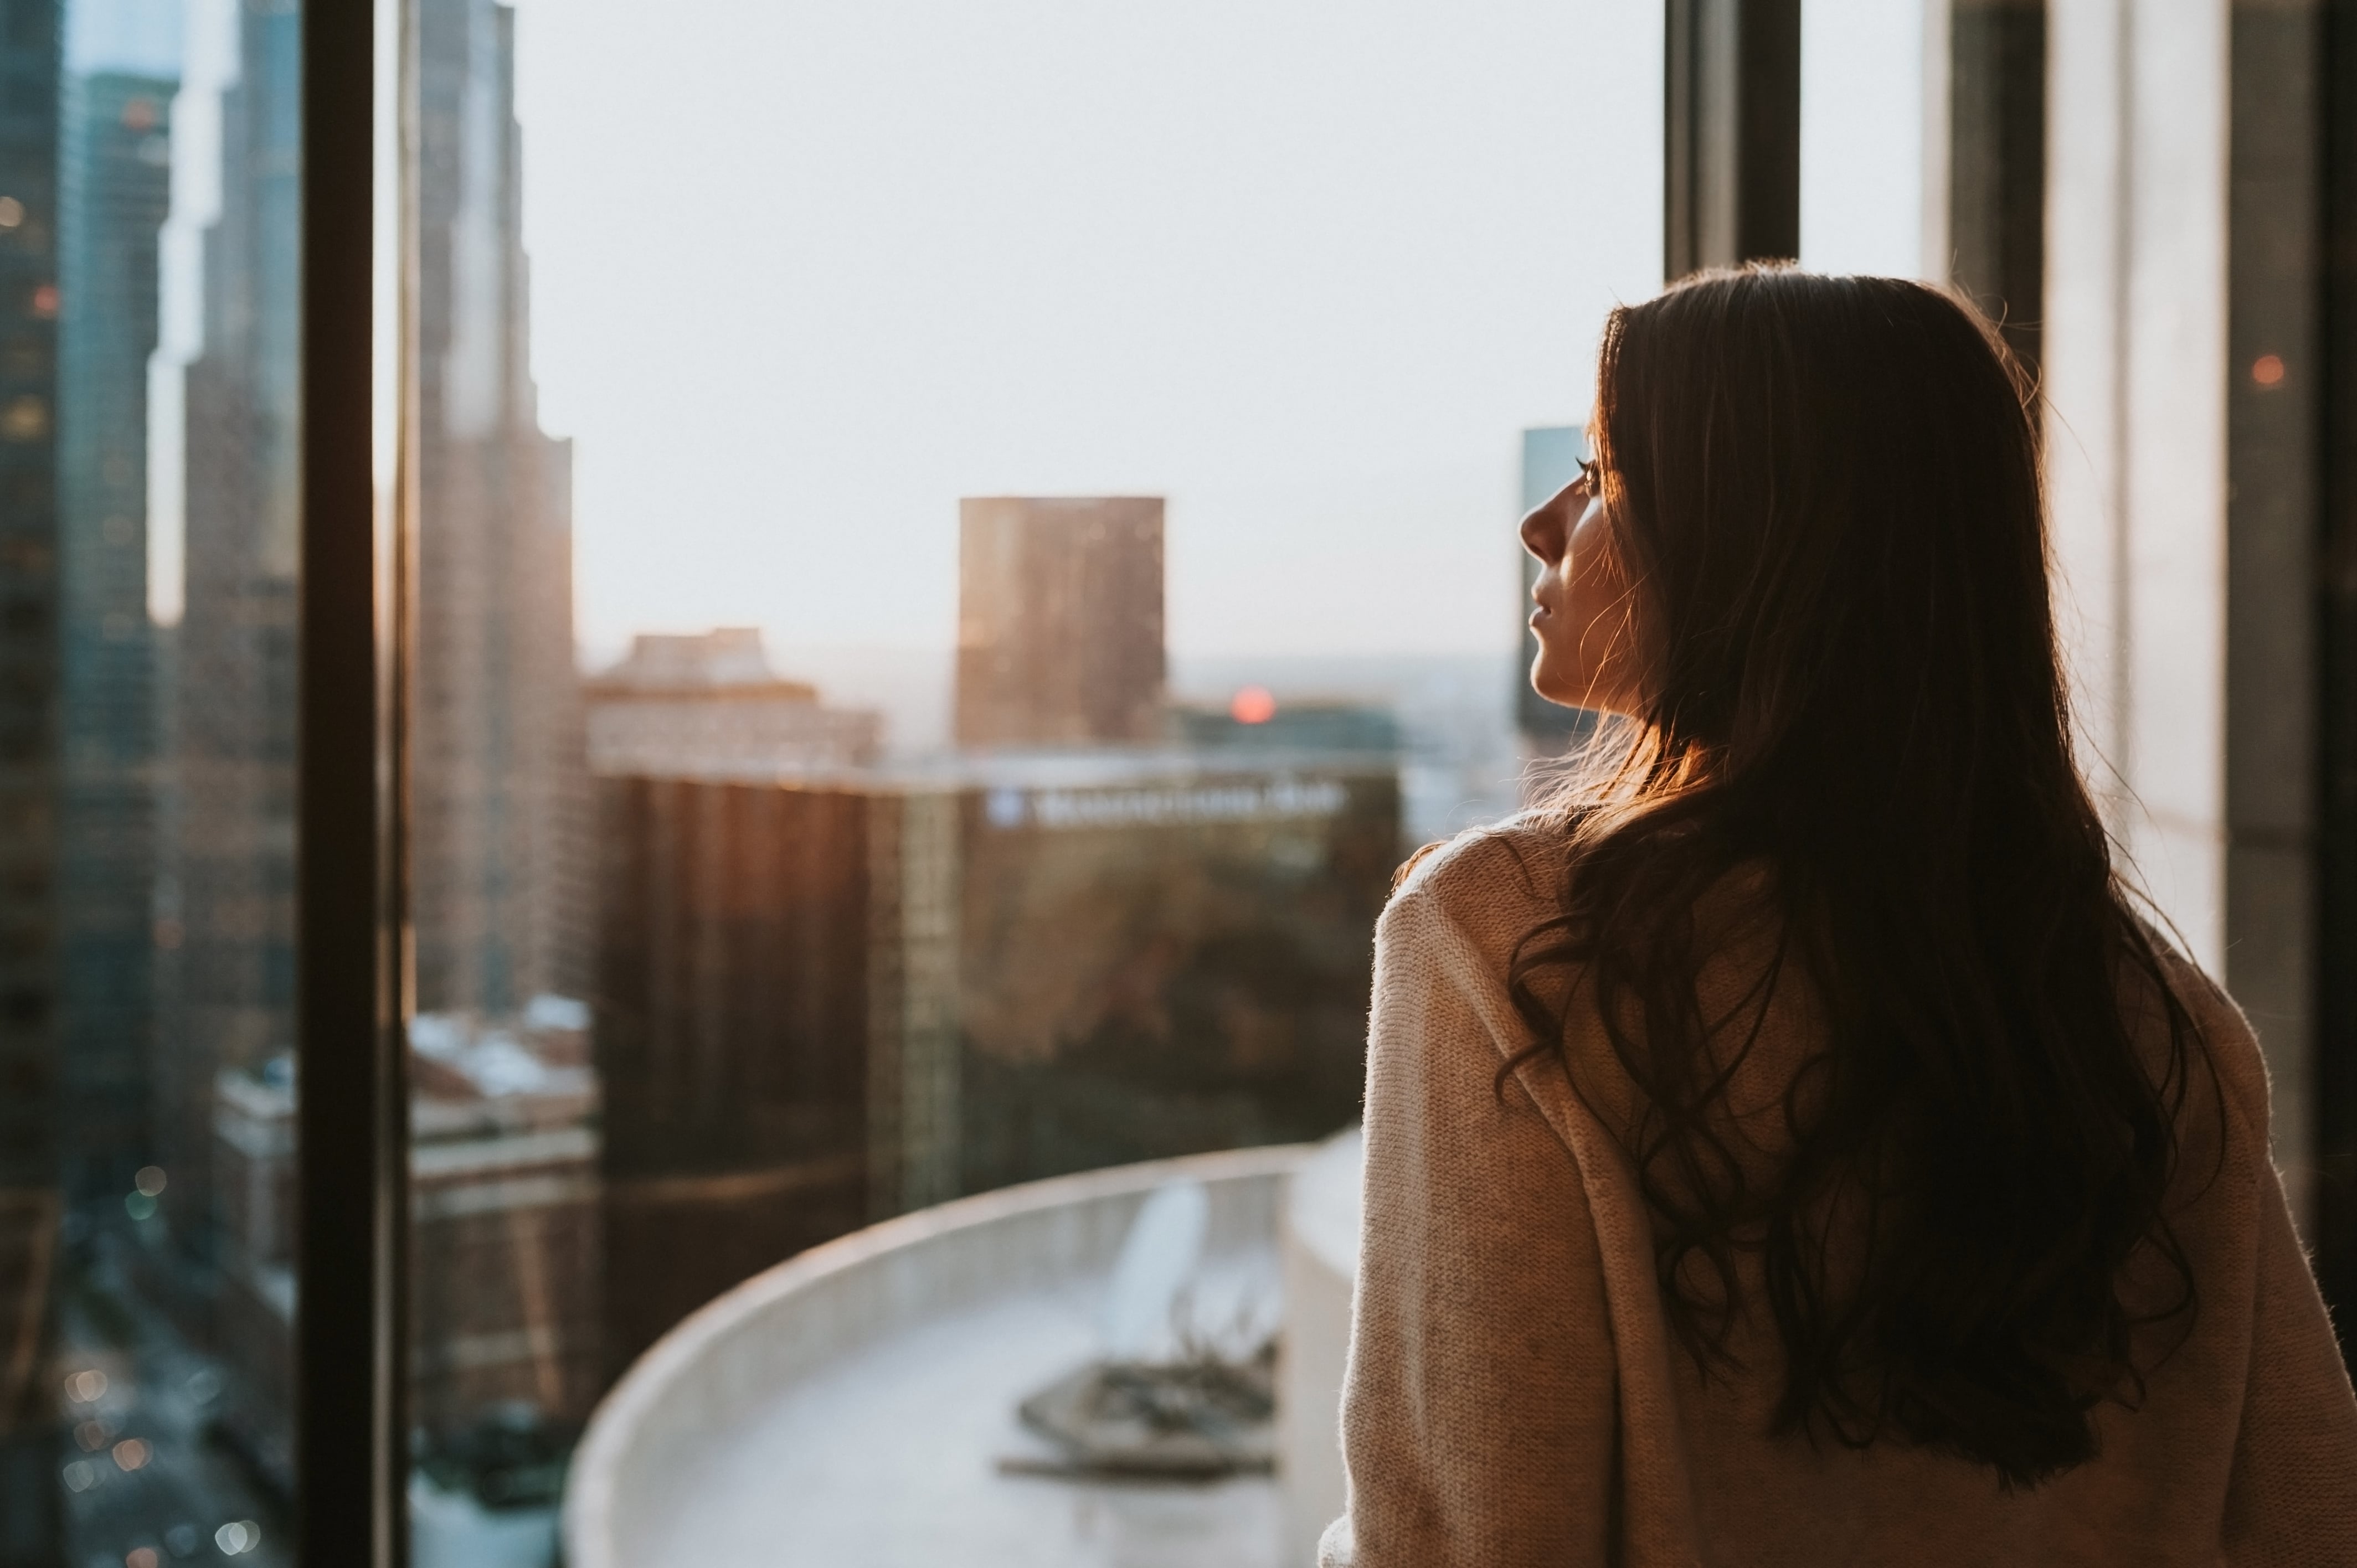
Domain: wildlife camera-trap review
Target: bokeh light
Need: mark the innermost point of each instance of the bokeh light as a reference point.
(1252, 705)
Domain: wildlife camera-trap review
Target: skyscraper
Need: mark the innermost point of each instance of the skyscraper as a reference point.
(227, 988)
(1059, 620)
(501, 778)
(30, 1209)
(114, 189)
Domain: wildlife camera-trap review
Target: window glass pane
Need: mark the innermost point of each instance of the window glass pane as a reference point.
(1862, 70)
(148, 255)
(506, 1283)
(959, 549)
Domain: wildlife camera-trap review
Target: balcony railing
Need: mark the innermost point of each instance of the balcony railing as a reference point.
(852, 1403)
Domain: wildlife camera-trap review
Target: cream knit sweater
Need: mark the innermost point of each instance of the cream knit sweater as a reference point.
(1515, 1397)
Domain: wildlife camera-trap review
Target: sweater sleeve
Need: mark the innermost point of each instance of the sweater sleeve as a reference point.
(2294, 1476)
(1479, 1406)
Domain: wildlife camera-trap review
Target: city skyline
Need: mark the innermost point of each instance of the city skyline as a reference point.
(868, 264)
(1257, 529)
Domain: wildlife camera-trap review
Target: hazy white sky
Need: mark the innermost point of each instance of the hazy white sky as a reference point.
(807, 271)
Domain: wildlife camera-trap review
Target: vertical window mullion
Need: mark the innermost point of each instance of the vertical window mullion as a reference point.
(349, 1373)
(1731, 133)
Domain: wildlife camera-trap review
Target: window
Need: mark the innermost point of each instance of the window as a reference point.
(1024, 480)
(927, 566)
(149, 1234)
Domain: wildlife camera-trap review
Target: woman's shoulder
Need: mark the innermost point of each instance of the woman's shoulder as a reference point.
(2229, 1045)
(1493, 882)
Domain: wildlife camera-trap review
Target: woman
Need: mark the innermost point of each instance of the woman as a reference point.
(1790, 1148)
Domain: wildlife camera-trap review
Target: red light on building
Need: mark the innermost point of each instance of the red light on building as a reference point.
(2267, 370)
(1252, 705)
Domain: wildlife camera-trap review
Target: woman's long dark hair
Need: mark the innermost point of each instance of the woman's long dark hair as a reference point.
(1826, 491)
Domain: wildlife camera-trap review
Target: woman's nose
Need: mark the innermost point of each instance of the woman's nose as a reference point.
(1548, 527)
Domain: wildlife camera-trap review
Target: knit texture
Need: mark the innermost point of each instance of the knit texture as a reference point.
(1515, 1395)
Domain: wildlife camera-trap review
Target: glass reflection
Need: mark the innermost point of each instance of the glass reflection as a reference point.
(147, 431)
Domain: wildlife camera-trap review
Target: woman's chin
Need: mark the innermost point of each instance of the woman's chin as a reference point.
(1562, 693)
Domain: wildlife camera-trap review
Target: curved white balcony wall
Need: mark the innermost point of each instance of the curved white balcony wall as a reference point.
(847, 1408)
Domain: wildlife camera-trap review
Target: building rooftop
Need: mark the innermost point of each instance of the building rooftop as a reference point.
(857, 1406)
(729, 661)
(475, 1078)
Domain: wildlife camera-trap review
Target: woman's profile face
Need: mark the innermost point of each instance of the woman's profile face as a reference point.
(1590, 647)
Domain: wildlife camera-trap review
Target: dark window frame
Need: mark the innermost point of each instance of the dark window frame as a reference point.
(1730, 134)
(2335, 855)
(350, 1439)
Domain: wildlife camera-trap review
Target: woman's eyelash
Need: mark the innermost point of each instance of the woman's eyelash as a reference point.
(1590, 475)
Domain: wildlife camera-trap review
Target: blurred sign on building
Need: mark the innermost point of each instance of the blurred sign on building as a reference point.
(709, 706)
(504, 1262)
(1059, 620)
(822, 1005)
